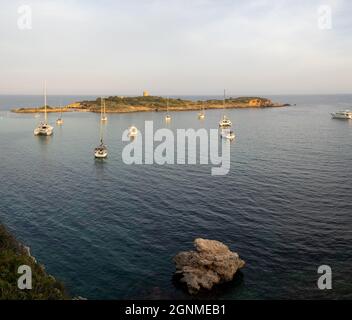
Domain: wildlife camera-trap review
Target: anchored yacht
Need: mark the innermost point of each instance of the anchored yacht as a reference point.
(44, 129)
(201, 114)
(132, 132)
(227, 134)
(104, 117)
(60, 121)
(167, 117)
(347, 114)
(225, 122)
(101, 151)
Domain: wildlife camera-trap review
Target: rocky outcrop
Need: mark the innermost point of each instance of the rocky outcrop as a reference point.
(212, 263)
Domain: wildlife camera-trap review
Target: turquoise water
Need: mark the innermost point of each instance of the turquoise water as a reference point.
(109, 230)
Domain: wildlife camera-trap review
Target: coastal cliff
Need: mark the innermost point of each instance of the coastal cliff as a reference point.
(12, 255)
(118, 104)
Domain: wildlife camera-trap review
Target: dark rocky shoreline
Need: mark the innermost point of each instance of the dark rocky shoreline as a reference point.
(14, 254)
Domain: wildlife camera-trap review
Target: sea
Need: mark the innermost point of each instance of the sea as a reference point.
(109, 230)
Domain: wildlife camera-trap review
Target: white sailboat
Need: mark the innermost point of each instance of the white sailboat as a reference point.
(201, 114)
(225, 122)
(44, 129)
(101, 151)
(60, 121)
(104, 117)
(227, 133)
(132, 131)
(167, 117)
(225, 125)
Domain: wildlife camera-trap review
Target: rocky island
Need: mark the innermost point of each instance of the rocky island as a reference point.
(212, 263)
(119, 104)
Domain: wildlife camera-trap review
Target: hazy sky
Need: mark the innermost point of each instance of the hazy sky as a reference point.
(176, 47)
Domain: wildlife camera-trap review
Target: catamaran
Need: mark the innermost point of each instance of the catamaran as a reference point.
(44, 129)
(167, 117)
(104, 117)
(347, 114)
(101, 151)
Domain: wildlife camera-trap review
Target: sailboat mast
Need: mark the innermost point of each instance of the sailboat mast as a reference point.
(46, 116)
(101, 108)
(101, 117)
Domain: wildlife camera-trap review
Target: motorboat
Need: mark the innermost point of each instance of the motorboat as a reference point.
(347, 114)
(227, 134)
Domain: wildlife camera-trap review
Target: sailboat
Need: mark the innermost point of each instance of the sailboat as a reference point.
(225, 125)
(101, 151)
(201, 114)
(167, 117)
(104, 118)
(132, 131)
(60, 121)
(225, 122)
(44, 129)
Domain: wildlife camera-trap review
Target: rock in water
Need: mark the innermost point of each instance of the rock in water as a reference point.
(211, 264)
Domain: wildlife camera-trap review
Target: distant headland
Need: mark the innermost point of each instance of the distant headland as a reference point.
(146, 103)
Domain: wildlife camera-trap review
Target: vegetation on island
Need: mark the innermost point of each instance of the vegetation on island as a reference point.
(12, 255)
(155, 103)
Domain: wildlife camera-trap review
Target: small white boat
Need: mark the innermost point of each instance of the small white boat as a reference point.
(44, 129)
(225, 122)
(104, 117)
(101, 151)
(132, 132)
(227, 134)
(347, 114)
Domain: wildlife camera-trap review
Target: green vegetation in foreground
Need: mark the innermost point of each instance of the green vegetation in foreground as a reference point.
(13, 255)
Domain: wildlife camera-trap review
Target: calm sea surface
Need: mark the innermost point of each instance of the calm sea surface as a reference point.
(109, 230)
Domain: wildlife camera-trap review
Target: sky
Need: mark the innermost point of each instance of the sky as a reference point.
(176, 47)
